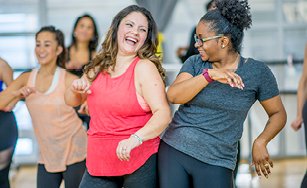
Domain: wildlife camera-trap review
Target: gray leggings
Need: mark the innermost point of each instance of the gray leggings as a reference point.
(179, 170)
(144, 177)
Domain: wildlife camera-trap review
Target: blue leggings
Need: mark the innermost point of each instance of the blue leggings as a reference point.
(179, 170)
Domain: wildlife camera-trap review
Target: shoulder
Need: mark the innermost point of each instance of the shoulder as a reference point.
(145, 65)
(194, 60)
(257, 70)
(193, 65)
(257, 66)
(256, 63)
(23, 78)
(25, 75)
(4, 65)
(146, 70)
(69, 78)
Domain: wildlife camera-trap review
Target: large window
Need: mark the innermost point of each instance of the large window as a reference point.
(18, 23)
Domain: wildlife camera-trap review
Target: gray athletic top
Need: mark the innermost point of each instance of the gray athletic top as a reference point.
(209, 126)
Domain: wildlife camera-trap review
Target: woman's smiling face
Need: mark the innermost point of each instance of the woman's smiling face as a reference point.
(132, 33)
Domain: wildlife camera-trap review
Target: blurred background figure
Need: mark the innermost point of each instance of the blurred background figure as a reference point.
(8, 129)
(301, 117)
(84, 40)
(185, 52)
(80, 52)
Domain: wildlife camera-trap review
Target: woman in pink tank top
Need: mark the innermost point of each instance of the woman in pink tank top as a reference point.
(61, 138)
(124, 89)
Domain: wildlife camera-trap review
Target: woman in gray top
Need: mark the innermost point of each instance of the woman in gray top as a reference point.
(216, 89)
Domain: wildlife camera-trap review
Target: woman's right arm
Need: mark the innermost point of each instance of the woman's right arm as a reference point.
(6, 72)
(76, 91)
(12, 93)
(297, 123)
(186, 87)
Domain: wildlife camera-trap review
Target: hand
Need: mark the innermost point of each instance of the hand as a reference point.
(124, 148)
(25, 91)
(261, 158)
(297, 123)
(81, 86)
(226, 76)
(83, 109)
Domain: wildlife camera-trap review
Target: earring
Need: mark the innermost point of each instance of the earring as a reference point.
(223, 46)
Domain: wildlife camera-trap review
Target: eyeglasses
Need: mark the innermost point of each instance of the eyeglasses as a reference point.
(201, 41)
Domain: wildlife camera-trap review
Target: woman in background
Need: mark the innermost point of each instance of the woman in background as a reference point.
(59, 132)
(84, 41)
(81, 51)
(301, 117)
(8, 128)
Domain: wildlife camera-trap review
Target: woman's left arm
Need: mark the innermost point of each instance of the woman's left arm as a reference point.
(277, 120)
(150, 86)
(152, 89)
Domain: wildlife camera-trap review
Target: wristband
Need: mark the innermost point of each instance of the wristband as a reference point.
(138, 138)
(207, 76)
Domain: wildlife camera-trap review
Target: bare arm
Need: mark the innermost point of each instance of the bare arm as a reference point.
(186, 87)
(151, 87)
(277, 120)
(153, 91)
(297, 123)
(6, 75)
(6, 72)
(76, 90)
(12, 94)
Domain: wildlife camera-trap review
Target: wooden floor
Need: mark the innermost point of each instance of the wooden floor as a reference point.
(285, 174)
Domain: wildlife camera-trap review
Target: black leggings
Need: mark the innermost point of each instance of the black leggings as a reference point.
(179, 170)
(144, 177)
(304, 182)
(72, 176)
(8, 138)
(4, 177)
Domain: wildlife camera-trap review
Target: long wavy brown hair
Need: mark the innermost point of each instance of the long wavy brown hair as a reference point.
(106, 58)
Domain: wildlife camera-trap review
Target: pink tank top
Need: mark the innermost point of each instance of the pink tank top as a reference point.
(58, 130)
(115, 115)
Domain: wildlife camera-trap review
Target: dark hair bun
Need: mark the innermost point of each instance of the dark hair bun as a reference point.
(236, 12)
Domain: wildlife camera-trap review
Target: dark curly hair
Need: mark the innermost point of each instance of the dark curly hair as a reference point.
(230, 18)
(59, 37)
(106, 58)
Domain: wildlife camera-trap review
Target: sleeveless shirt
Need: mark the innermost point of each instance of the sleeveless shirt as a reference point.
(61, 138)
(116, 114)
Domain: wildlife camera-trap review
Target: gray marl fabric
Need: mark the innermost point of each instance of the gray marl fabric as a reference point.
(209, 126)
